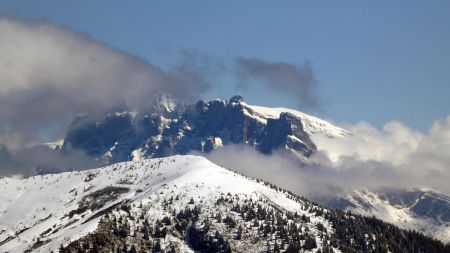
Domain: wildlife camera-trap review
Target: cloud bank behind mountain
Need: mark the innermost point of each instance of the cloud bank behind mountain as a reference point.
(395, 156)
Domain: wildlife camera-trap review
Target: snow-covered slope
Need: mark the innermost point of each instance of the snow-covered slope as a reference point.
(179, 204)
(312, 125)
(44, 212)
(403, 210)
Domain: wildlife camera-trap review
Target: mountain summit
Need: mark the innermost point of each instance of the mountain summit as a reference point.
(170, 128)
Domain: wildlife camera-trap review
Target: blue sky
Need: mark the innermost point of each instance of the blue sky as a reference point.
(374, 60)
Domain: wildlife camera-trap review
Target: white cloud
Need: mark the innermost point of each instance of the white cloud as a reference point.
(394, 156)
(394, 143)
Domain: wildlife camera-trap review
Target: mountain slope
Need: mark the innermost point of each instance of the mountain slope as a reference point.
(425, 211)
(179, 203)
(59, 206)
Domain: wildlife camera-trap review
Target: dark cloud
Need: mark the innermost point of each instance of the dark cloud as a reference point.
(49, 73)
(295, 81)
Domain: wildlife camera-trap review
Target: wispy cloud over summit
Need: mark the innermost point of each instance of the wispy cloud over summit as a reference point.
(295, 81)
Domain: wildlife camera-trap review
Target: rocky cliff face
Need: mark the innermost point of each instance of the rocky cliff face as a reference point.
(169, 128)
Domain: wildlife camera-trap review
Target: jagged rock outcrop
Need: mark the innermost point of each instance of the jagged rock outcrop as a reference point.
(169, 128)
(287, 131)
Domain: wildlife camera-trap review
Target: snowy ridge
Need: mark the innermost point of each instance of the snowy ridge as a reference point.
(312, 125)
(43, 212)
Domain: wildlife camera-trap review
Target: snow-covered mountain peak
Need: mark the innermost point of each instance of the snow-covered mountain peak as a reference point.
(43, 212)
(171, 127)
(165, 102)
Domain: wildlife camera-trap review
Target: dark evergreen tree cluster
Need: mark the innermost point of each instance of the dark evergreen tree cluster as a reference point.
(114, 234)
(199, 240)
(235, 220)
(198, 237)
(283, 231)
(355, 233)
